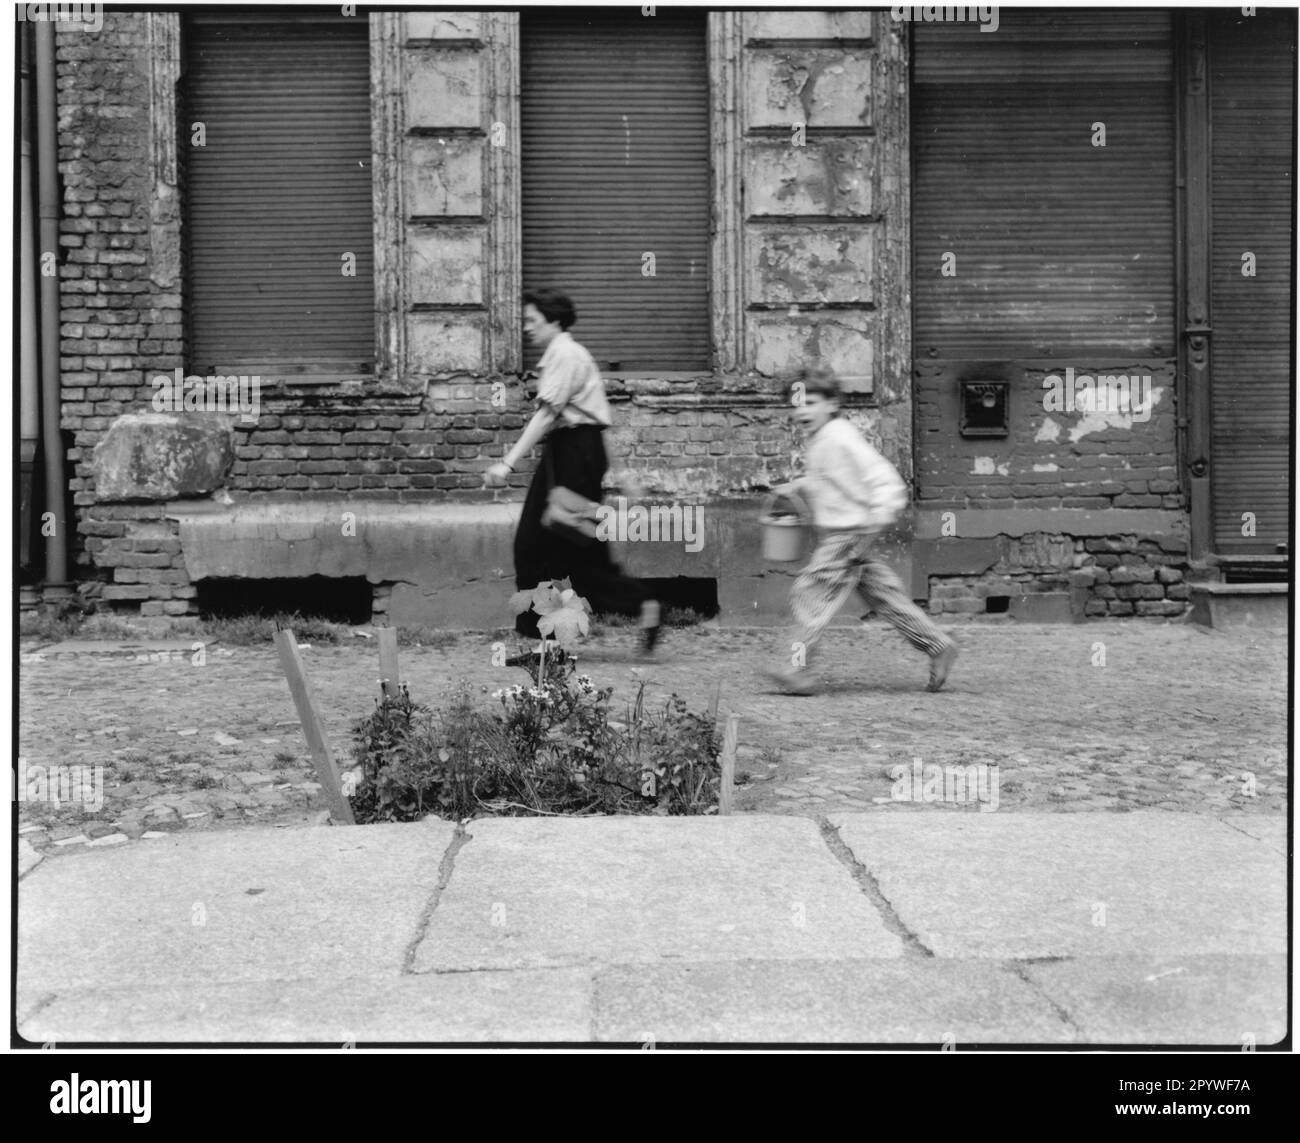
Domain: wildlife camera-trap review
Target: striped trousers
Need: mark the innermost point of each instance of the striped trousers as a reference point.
(841, 563)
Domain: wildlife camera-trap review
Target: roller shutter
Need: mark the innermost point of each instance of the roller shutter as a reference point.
(615, 168)
(1252, 102)
(279, 193)
(1061, 248)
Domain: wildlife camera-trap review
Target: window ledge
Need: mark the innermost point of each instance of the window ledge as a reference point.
(340, 384)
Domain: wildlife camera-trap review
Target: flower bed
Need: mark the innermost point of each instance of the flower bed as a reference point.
(552, 749)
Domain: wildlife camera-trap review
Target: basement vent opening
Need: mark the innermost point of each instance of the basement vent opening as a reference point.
(996, 604)
(339, 600)
(1256, 575)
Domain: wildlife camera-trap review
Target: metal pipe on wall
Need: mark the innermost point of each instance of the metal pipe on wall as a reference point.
(29, 398)
(47, 153)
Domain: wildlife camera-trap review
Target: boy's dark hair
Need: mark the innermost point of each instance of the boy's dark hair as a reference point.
(820, 381)
(553, 306)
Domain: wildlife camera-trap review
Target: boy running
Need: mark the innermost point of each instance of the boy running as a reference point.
(854, 492)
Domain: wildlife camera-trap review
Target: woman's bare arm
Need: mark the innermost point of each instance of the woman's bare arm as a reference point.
(536, 428)
(533, 432)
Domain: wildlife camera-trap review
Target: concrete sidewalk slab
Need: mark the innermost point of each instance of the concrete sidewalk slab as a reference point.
(547, 1005)
(1042, 885)
(530, 892)
(1170, 1000)
(231, 906)
(899, 1001)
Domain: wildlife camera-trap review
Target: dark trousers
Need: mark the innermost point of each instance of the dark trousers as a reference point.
(576, 459)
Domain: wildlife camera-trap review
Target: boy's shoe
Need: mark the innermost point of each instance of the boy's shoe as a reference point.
(940, 665)
(794, 682)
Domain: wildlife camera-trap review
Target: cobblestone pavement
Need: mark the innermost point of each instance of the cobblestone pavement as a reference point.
(1107, 716)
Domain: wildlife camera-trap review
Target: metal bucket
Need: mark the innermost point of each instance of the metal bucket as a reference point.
(784, 536)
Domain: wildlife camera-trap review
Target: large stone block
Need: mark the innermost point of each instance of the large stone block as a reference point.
(807, 25)
(780, 344)
(443, 176)
(163, 456)
(451, 564)
(1240, 604)
(824, 176)
(814, 86)
(444, 25)
(444, 88)
(809, 264)
(445, 266)
(444, 343)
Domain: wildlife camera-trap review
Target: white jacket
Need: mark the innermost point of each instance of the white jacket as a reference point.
(849, 485)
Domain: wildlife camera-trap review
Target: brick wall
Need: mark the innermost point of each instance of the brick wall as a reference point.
(1054, 458)
(1116, 575)
(119, 293)
(142, 551)
(438, 450)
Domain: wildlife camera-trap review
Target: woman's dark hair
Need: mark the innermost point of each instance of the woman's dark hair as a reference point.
(553, 306)
(821, 381)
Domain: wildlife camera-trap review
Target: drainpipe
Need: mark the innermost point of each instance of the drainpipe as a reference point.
(47, 156)
(29, 417)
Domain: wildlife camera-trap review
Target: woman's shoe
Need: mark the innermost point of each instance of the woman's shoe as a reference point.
(649, 626)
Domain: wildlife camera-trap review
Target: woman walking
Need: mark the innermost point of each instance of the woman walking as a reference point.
(572, 413)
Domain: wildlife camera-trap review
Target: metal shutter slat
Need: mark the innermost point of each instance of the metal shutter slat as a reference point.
(280, 191)
(599, 189)
(1061, 248)
(1252, 104)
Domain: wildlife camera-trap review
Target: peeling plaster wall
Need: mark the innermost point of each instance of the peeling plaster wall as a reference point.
(1062, 459)
(1082, 471)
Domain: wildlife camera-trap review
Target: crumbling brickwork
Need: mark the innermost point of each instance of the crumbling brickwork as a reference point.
(1116, 575)
(142, 550)
(121, 305)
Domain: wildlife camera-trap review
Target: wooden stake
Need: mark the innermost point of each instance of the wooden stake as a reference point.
(312, 727)
(713, 706)
(728, 779)
(389, 677)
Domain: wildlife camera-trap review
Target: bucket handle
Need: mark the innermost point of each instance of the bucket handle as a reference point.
(800, 504)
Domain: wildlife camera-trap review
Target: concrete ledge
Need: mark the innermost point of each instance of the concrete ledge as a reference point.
(383, 542)
(452, 565)
(984, 522)
(1240, 604)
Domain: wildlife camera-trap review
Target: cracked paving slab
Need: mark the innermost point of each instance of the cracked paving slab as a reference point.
(541, 892)
(1028, 885)
(830, 1002)
(1170, 999)
(254, 905)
